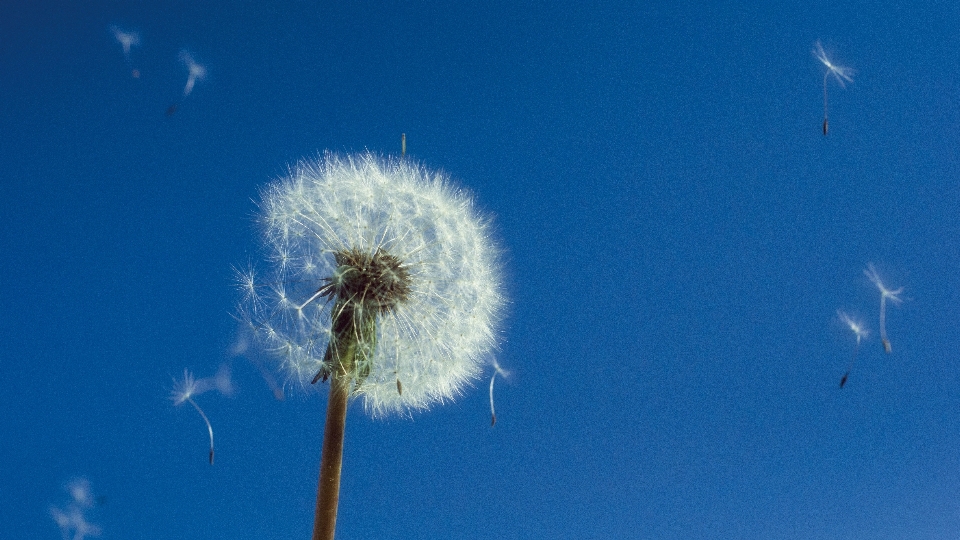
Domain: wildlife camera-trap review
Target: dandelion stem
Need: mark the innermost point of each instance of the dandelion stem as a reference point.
(209, 427)
(493, 412)
(497, 370)
(328, 487)
(354, 336)
(885, 293)
(853, 359)
(883, 324)
(825, 124)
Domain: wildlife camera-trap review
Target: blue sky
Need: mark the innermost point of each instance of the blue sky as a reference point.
(678, 235)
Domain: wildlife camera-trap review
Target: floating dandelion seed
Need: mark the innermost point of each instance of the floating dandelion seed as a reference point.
(127, 40)
(497, 370)
(81, 492)
(195, 72)
(183, 391)
(858, 330)
(382, 272)
(840, 73)
(72, 519)
(73, 523)
(885, 294)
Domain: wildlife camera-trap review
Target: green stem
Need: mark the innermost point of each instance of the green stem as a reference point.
(352, 341)
(328, 487)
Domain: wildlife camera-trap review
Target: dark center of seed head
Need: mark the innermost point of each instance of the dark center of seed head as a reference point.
(363, 286)
(372, 282)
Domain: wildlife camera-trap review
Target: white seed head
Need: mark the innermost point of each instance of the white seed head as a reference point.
(195, 72)
(80, 492)
(190, 387)
(855, 325)
(874, 277)
(184, 389)
(125, 39)
(842, 74)
(387, 240)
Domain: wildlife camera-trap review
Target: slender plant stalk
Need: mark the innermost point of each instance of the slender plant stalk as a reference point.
(825, 121)
(328, 487)
(209, 427)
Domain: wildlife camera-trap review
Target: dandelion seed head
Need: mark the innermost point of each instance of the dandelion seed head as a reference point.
(190, 387)
(367, 241)
(184, 389)
(125, 39)
(892, 295)
(855, 325)
(194, 69)
(195, 72)
(80, 492)
(842, 74)
(500, 371)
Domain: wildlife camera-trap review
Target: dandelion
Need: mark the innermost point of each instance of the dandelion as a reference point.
(860, 332)
(195, 72)
(840, 73)
(385, 281)
(184, 391)
(885, 294)
(127, 40)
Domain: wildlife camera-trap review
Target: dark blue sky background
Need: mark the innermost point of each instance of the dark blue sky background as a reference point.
(678, 233)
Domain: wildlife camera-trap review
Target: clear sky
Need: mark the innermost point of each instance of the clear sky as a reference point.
(678, 236)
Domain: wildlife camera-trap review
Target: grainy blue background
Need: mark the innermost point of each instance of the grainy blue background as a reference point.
(679, 235)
